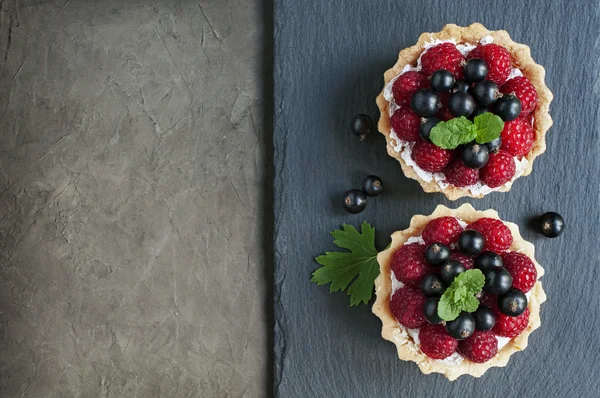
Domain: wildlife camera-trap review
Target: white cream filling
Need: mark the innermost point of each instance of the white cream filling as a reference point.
(405, 147)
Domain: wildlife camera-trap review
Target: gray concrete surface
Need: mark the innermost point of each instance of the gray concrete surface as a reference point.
(134, 174)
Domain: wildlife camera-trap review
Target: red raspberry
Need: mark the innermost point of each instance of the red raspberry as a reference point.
(406, 124)
(436, 342)
(407, 306)
(430, 157)
(444, 113)
(443, 56)
(480, 347)
(464, 259)
(524, 90)
(460, 175)
(517, 137)
(522, 270)
(497, 235)
(407, 84)
(498, 61)
(409, 265)
(511, 326)
(443, 229)
(499, 169)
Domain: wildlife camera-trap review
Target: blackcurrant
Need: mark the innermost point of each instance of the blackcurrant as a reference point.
(430, 309)
(475, 70)
(437, 253)
(355, 201)
(432, 285)
(475, 155)
(470, 242)
(425, 102)
(494, 145)
(508, 107)
(487, 261)
(372, 185)
(485, 92)
(461, 104)
(485, 319)
(426, 126)
(478, 111)
(462, 327)
(461, 85)
(442, 81)
(513, 302)
(450, 270)
(361, 126)
(552, 224)
(497, 281)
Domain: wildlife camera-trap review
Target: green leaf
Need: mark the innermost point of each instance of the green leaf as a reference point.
(460, 295)
(447, 309)
(488, 127)
(454, 132)
(356, 268)
(470, 304)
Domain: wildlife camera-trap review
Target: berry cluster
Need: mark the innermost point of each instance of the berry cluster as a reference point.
(426, 271)
(451, 86)
(355, 200)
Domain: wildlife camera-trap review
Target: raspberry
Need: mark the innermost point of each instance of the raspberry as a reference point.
(407, 306)
(407, 84)
(498, 61)
(430, 157)
(498, 170)
(443, 229)
(522, 270)
(409, 265)
(464, 259)
(406, 124)
(444, 113)
(443, 56)
(497, 235)
(524, 90)
(480, 347)
(460, 175)
(511, 326)
(517, 137)
(436, 342)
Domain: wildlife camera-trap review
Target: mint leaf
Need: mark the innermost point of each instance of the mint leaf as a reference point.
(488, 127)
(357, 267)
(454, 132)
(460, 295)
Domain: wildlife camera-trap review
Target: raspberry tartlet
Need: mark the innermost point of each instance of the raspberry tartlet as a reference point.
(436, 254)
(463, 79)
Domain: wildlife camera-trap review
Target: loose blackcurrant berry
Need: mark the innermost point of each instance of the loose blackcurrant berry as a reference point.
(425, 102)
(475, 155)
(485, 319)
(470, 242)
(494, 146)
(513, 302)
(426, 126)
(462, 327)
(552, 224)
(475, 70)
(442, 81)
(497, 281)
(361, 126)
(461, 85)
(432, 285)
(461, 104)
(487, 261)
(437, 254)
(430, 309)
(485, 93)
(372, 185)
(355, 201)
(508, 107)
(450, 270)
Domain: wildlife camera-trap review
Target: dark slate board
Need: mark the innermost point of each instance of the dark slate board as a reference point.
(329, 60)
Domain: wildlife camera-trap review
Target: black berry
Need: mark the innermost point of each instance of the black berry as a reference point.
(355, 201)
(426, 126)
(437, 254)
(461, 104)
(475, 70)
(430, 309)
(487, 261)
(508, 107)
(475, 155)
(497, 281)
(513, 302)
(450, 270)
(470, 242)
(552, 224)
(432, 285)
(485, 93)
(361, 126)
(442, 80)
(425, 102)
(494, 146)
(462, 327)
(485, 319)
(461, 85)
(372, 185)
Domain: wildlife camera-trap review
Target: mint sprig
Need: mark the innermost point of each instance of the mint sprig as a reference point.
(489, 127)
(460, 295)
(458, 131)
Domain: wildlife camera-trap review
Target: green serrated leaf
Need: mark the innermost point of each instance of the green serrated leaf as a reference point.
(447, 308)
(460, 295)
(454, 132)
(488, 127)
(470, 304)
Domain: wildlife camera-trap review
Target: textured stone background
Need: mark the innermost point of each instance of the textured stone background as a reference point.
(132, 166)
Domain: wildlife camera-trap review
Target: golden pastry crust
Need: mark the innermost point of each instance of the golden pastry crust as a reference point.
(521, 59)
(396, 333)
